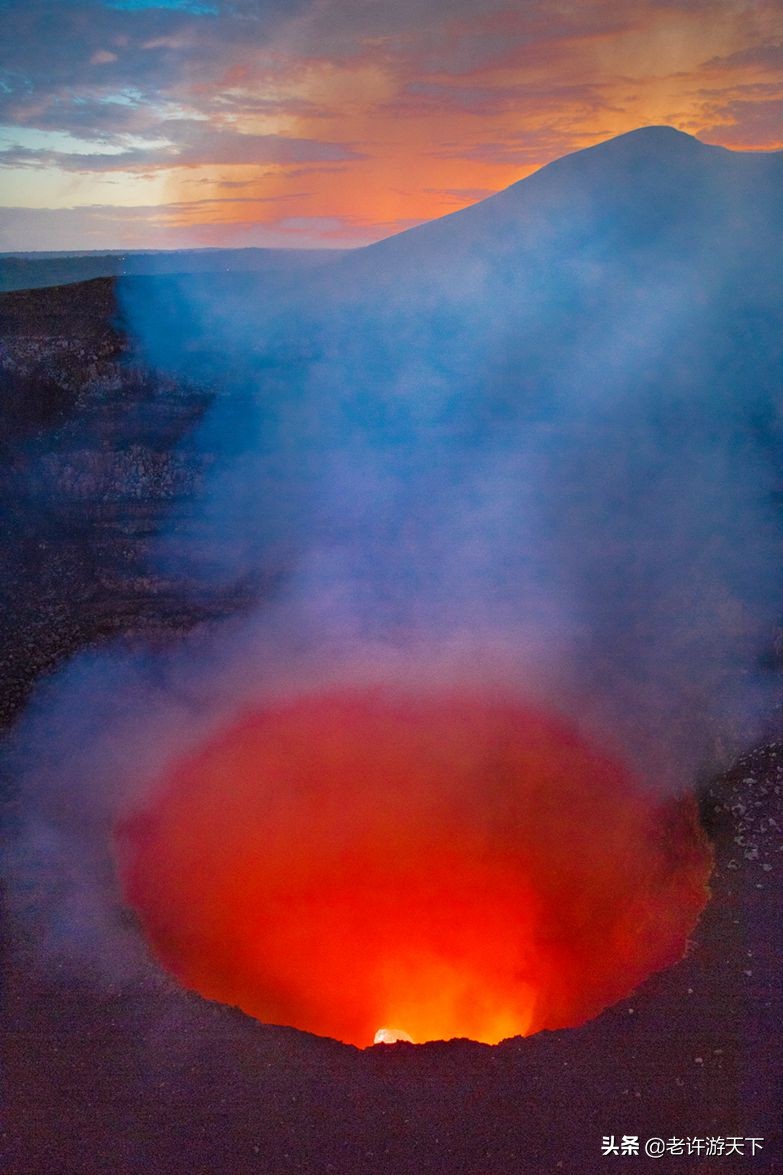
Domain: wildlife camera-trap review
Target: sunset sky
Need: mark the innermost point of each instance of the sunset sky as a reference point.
(131, 124)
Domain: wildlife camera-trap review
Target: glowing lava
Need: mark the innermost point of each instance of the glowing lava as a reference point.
(457, 865)
(390, 1036)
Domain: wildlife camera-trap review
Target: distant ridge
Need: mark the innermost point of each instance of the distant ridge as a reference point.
(602, 187)
(29, 271)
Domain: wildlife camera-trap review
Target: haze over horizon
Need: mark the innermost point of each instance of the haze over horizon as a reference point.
(130, 124)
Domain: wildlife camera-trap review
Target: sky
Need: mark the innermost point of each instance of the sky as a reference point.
(133, 124)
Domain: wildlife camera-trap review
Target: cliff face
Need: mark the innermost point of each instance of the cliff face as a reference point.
(89, 470)
(156, 1078)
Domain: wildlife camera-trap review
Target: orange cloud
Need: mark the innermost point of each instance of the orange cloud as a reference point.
(492, 96)
(365, 119)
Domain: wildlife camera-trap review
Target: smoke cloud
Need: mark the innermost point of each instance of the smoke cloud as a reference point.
(534, 447)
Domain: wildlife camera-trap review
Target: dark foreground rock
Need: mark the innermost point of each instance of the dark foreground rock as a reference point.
(89, 472)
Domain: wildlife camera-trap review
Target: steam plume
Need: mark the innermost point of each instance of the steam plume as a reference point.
(535, 446)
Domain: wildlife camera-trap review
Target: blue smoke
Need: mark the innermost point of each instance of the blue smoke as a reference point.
(550, 424)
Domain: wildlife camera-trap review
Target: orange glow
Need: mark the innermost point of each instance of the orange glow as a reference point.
(337, 125)
(433, 138)
(449, 866)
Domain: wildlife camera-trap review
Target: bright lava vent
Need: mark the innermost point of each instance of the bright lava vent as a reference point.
(459, 865)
